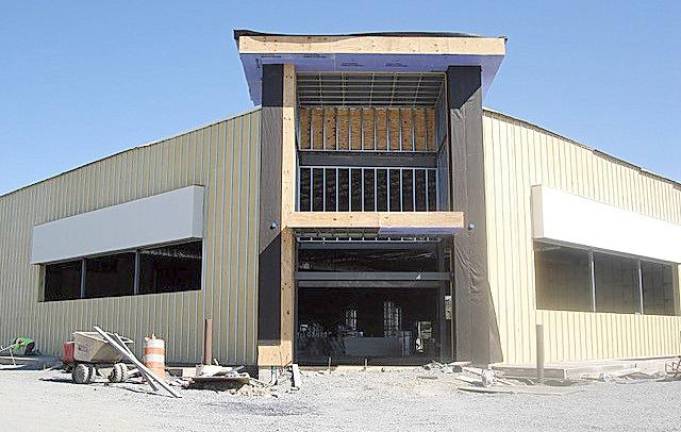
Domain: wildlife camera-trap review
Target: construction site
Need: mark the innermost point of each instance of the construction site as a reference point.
(368, 236)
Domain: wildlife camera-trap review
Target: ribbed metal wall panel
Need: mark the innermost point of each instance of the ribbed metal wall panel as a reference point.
(519, 155)
(224, 157)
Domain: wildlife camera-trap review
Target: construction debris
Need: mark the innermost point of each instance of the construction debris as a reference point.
(149, 375)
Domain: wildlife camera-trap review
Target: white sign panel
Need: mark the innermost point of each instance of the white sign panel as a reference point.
(167, 217)
(563, 217)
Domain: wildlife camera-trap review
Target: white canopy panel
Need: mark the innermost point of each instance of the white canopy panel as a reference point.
(168, 217)
(562, 217)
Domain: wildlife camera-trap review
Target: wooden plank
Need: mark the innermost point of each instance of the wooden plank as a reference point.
(329, 128)
(317, 128)
(371, 45)
(288, 295)
(381, 119)
(431, 145)
(394, 129)
(288, 151)
(343, 128)
(374, 220)
(420, 132)
(406, 124)
(356, 129)
(305, 128)
(368, 129)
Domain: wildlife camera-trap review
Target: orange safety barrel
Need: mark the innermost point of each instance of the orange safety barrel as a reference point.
(155, 355)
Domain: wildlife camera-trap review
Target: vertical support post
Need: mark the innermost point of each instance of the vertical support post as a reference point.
(477, 332)
(208, 341)
(136, 283)
(269, 296)
(540, 352)
(640, 287)
(83, 269)
(277, 202)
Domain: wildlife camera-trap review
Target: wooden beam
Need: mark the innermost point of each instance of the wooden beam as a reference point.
(372, 45)
(375, 220)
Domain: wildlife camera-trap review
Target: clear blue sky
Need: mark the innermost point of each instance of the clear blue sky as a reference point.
(80, 80)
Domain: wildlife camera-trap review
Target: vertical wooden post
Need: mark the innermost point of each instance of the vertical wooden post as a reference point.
(208, 341)
(540, 352)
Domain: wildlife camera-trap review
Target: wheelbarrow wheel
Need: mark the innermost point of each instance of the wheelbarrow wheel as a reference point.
(81, 374)
(93, 374)
(119, 373)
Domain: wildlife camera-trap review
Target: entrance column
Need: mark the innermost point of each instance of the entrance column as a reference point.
(276, 285)
(476, 330)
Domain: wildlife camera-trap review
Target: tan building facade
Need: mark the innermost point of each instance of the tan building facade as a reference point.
(365, 226)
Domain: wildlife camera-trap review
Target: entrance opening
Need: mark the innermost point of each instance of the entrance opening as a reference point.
(380, 299)
(383, 325)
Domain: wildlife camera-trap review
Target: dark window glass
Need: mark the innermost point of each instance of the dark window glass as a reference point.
(395, 191)
(562, 278)
(420, 190)
(110, 276)
(407, 190)
(369, 192)
(361, 260)
(382, 190)
(170, 268)
(658, 288)
(305, 203)
(343, 185)
(62, 281)
(356, 203)
(616, 284)
(330, 189)
(317, 189)
(432, 191)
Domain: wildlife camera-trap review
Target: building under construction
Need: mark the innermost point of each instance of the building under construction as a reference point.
(369, 207)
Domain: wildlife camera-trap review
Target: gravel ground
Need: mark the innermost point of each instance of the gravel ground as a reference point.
(373, 401)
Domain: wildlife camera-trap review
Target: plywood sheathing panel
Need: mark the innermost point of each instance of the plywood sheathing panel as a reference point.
(381, 129)
(329, 129)
(343, 129)
(317, 128)
(394, 128)
(368, 129)
(420, 133)
(372, 45)
(430, 129)
(356, 129)
(304, 128)
(407, 120)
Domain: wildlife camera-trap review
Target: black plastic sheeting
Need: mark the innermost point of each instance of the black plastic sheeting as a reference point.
(243, 32)
(269, 263)
(477, 331)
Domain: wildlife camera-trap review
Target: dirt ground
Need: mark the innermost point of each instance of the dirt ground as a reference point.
(374, 401)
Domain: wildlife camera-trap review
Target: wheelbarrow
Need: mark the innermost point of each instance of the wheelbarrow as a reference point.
(91, 352)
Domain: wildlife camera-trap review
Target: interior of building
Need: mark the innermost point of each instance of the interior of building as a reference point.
(371, 142)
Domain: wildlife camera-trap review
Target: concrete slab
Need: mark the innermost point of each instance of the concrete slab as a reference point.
(584, 370)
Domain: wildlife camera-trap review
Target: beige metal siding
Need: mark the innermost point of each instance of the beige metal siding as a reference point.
(223, 157)
(517, 156)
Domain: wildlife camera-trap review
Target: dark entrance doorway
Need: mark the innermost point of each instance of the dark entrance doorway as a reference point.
(383, 302)
(382, 325)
